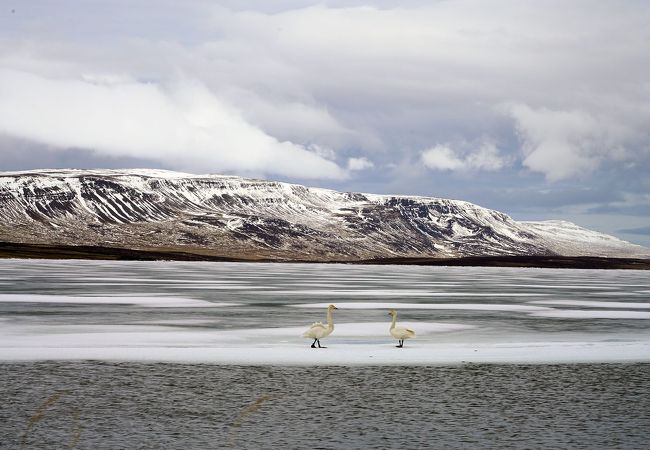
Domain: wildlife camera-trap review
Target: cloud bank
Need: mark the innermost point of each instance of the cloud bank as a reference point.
(520, 96)
(182, 124)
(380, 83)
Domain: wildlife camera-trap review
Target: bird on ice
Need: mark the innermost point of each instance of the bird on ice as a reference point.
(318, 330)
(399, 333)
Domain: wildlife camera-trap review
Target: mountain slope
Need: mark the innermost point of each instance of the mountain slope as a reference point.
(568, 239)
(239, 217)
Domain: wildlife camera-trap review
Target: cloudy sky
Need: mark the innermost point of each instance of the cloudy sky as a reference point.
(540, 109)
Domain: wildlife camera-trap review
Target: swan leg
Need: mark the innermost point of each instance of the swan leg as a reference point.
(318, 340)
(313, 344)
(401, 343)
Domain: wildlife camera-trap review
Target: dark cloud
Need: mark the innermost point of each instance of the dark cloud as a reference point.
(642, 210)
(641, 230)
(23, 155)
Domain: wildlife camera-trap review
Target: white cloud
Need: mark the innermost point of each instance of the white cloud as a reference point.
(487, 157)
(378, 79)
(357, 164)
(442, 157)
(181, 124)
(565, 144)
(435, 72)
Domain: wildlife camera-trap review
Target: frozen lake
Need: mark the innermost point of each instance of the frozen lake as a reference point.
(210, 355)
(238, 313)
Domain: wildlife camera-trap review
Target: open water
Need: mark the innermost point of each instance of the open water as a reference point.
(97, 405)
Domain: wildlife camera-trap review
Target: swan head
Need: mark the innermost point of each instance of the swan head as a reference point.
(392, 312)
(331, 307)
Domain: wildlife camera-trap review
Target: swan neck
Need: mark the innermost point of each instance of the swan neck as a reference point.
(392, 324)
(330, 322)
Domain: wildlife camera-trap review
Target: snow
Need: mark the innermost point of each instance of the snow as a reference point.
(370, 329)
(165, 199)
(441, 306)
(392, 293)
(149, 302)
(595, 304)
(354, 345)
(569, 239)
(592, 314)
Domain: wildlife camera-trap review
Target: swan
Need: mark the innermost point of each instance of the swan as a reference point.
(318, 330)
(399, 333)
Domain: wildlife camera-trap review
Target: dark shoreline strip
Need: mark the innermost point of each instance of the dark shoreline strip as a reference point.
(39, 251)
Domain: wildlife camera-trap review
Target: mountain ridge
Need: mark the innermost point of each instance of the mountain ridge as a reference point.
(235, 217)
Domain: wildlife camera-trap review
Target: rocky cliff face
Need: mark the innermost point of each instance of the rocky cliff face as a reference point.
(239, 217)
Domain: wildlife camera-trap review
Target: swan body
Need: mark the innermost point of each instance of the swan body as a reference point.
(318, 330)
(399, 333)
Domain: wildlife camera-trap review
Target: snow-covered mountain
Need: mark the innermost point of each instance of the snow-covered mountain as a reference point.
(247, 218)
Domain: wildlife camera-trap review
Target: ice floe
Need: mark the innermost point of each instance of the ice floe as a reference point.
(395, 293)
(592, 314)
(358, 343)
(595, 304)
(149, 302)
(367, 329)
(442, 306)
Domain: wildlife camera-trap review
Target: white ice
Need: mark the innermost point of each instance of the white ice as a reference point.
(150, 302)
(369, 329)
(592, 314)
(595, 304)
(394, 293)
(351, 344)
(443, 306)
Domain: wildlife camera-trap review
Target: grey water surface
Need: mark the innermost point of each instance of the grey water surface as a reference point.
(97, 405)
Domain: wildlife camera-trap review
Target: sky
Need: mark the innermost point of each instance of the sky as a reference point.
(539, 109)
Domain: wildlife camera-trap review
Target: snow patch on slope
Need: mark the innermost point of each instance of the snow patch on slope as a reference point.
(240, 217)
(568, 239)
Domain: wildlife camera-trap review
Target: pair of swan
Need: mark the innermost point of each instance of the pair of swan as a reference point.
(318, 330)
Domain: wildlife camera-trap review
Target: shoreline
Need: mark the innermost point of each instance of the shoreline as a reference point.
(87, 252)
(342, 354)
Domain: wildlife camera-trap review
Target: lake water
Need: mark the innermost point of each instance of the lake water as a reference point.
(210, 355)
(162, 406)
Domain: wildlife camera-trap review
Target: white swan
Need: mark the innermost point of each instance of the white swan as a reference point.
(318, 331)
(399, 333)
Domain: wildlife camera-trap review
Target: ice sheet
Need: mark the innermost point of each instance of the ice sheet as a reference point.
(595, 304)
(149, 302)
(394, 293)
(494, 322)
(365, 343)
(366, 354)
(447, 306)
(592, 314)
(368, 329)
